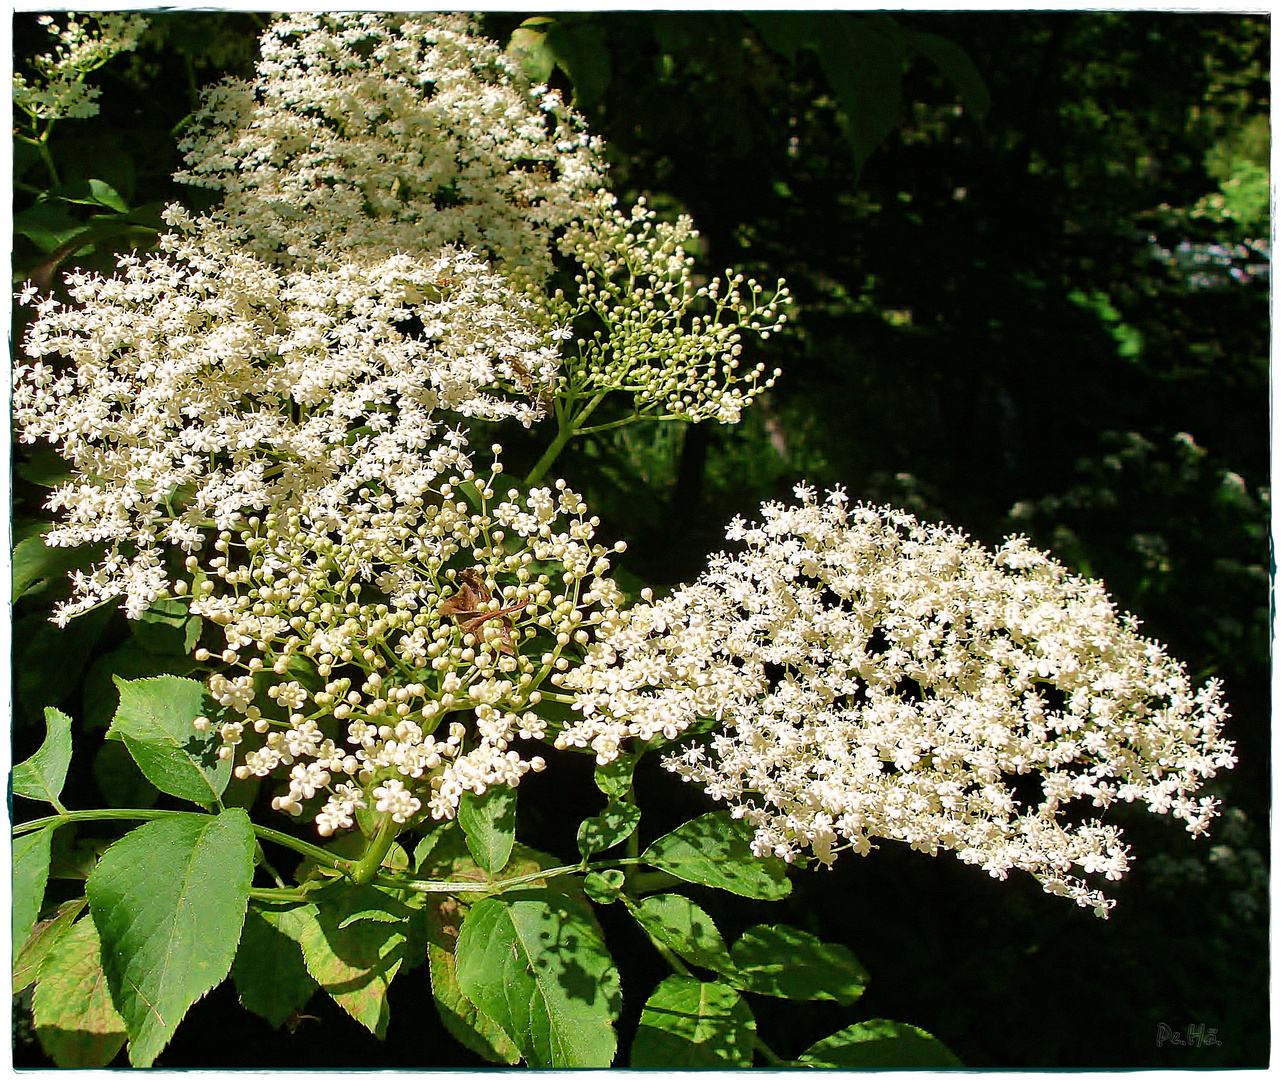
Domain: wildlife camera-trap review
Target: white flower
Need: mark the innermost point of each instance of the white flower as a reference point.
(84, 44)
(872, 676)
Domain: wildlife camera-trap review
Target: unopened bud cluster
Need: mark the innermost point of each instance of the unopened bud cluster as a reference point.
(84, 44)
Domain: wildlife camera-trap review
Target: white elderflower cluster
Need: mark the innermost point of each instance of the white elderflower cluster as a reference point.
(83, 45)
(203, 384)
(393, 654)
(391, 132)
(871, 676)
(674, 346)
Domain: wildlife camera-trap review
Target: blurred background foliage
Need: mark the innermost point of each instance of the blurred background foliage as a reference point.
(1029, 252)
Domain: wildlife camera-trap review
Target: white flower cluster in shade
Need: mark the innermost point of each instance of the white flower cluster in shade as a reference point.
(446, 612)
(202, 384)
(871, 676)
(391, 132)
(83, 45)
(674, 346)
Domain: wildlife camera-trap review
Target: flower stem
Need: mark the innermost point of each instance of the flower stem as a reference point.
(379, 845)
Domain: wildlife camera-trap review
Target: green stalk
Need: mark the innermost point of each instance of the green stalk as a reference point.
(380, 844)
(495, 887)
(761, 1048)
(566, 430)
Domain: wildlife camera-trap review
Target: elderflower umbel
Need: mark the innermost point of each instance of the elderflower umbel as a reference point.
(673, 346)
(84, 45)
(391, 132)
(364, 634)
(872, 676)
(202, 384)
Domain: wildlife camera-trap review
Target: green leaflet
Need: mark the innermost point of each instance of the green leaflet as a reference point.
(615, 779)
(154, 722)
(489, 823)
(268, 971)
(75, 1020)
(714, 850)
(881, 1044)
(130, 662)
(167, 628)
(169, 900)
(686, 929)
(30, 875)
(611, 826)
(34, 562)
(42, 775)
(44, 936)
(461, 1018)
(688, 1024)
(534, 964)
(789, 963)
(353, 942)
(120, 780)
(604, 887)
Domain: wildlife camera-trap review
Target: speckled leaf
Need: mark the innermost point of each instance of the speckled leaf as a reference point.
(685, 928)
(714, 850)
(42, 775)
(461, 1018)
(75, 1020)
(789, 963)
(489, 823)
(881, 1044)
(268, 971)
(533, 963)
(611, 826)
(168, 900)
(30, 875)
(154, 722)
(688, 1024)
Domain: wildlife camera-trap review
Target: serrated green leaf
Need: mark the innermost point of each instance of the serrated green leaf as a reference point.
(154, 721)
(76, 1022)
(881, 1044)
(90, 193)
(268, 971)
(715, 850)
(489, 823)
(786, 962)
(864, 66)
(30, 875)
(581, 51)
(167, 628)
(688, 1024)
(44, 936)
(538, 968)
(130, 662)
(957, 67)
(605, 886)
(529, 47)
(42, 775)
(353, 944)
(685, 928)
(615, 779)
(51, 661)
(169, 901)
(461, 1018)
(612, 826)
(33, 562)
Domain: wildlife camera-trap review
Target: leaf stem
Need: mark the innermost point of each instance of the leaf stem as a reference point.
(761, 1048)
(493, 888)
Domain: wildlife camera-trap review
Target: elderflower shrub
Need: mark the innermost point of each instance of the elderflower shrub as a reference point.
(388, 655)
(648, 329)
(201, 384)
(83, 45)
(872, 676)
(392, 132)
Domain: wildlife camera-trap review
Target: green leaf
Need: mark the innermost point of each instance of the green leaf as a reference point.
(615, 779)
(688, 1024)
(581, 51)
(268, 971)
(44, 936)
(529, 47)
(881, 1044)
(489, 823)
(862, 60)
(789, 963)
(536, 966)
(787, 32)
(90, 193)
(131, 662)
(685, 928)
(120, 780)
(612, 826)
(958, 68)
(715, 850)
(45, 467)
(154, 722)
(30, 875)
(461, 1018)
(167, 628)
(605, 886)
(53, 659)
(34, 562)
(169, 902)
(76, 1022)
(354, 942)
(42, 775)
(47, 225)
